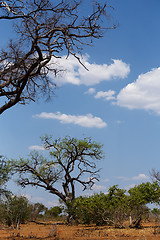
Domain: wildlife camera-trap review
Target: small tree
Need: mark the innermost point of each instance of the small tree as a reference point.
(90, 210)
(44, 30)
(37, 210)
(117, 206)
(103, 209)
(16, 210)
(70, 162)
(141, 195)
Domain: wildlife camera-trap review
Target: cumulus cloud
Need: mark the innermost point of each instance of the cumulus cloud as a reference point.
(76, 74)
(88, 120)
(108, 95)
(99, 187)
(90, 91)
(36, 147)
(143, 93)
(141, 176)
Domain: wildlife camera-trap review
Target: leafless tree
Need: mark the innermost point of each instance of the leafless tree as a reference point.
(155, 175)
(44, 29)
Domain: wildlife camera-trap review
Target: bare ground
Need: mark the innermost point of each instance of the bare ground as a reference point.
(63, 232)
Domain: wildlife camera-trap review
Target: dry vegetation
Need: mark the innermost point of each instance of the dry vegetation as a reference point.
(50, 231)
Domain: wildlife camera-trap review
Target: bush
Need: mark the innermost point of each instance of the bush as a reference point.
(102, 209)
(53, 212)
(15, 210)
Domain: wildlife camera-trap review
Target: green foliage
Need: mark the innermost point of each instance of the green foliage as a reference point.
(115, 207)
(68, 148)
(145, 193)
(53, 212)
(70, 161)
(155, 211)
(89, 209)
(102, 209)
(15, 210)
(5, 173)
(37, 210)
(139, 197)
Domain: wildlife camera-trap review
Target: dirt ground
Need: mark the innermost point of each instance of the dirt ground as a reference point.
(63, 232)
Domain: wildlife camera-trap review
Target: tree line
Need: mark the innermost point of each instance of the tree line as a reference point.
(66, 163)
(116, 208)
(16, 210)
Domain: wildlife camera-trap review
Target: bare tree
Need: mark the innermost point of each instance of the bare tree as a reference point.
(70, 162)
(155, 175)
(45, 29)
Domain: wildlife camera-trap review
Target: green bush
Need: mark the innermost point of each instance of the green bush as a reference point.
(53, 212)
(102, 209)
(15, 210)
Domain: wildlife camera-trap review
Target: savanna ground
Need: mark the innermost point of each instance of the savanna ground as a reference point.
(149, 231)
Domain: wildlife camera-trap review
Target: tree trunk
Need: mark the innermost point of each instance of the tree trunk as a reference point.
(130, 220)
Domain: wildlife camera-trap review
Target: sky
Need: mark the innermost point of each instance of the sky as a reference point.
(116, 102)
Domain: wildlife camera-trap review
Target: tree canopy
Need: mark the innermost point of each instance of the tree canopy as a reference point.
(44, 30)
(70, 161)
(117, 206)
(145, 193)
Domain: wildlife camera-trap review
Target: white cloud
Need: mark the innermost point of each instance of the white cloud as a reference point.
(88, 120)
(108, 95)
(36, 147)
(76, 74)
(99, 187)
(141, 176)
(105, 180)
(143, 93)
(90, 91)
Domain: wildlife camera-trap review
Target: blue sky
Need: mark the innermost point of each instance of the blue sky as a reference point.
(116, 102)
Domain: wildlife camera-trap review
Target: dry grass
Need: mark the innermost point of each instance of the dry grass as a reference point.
(63, 232)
